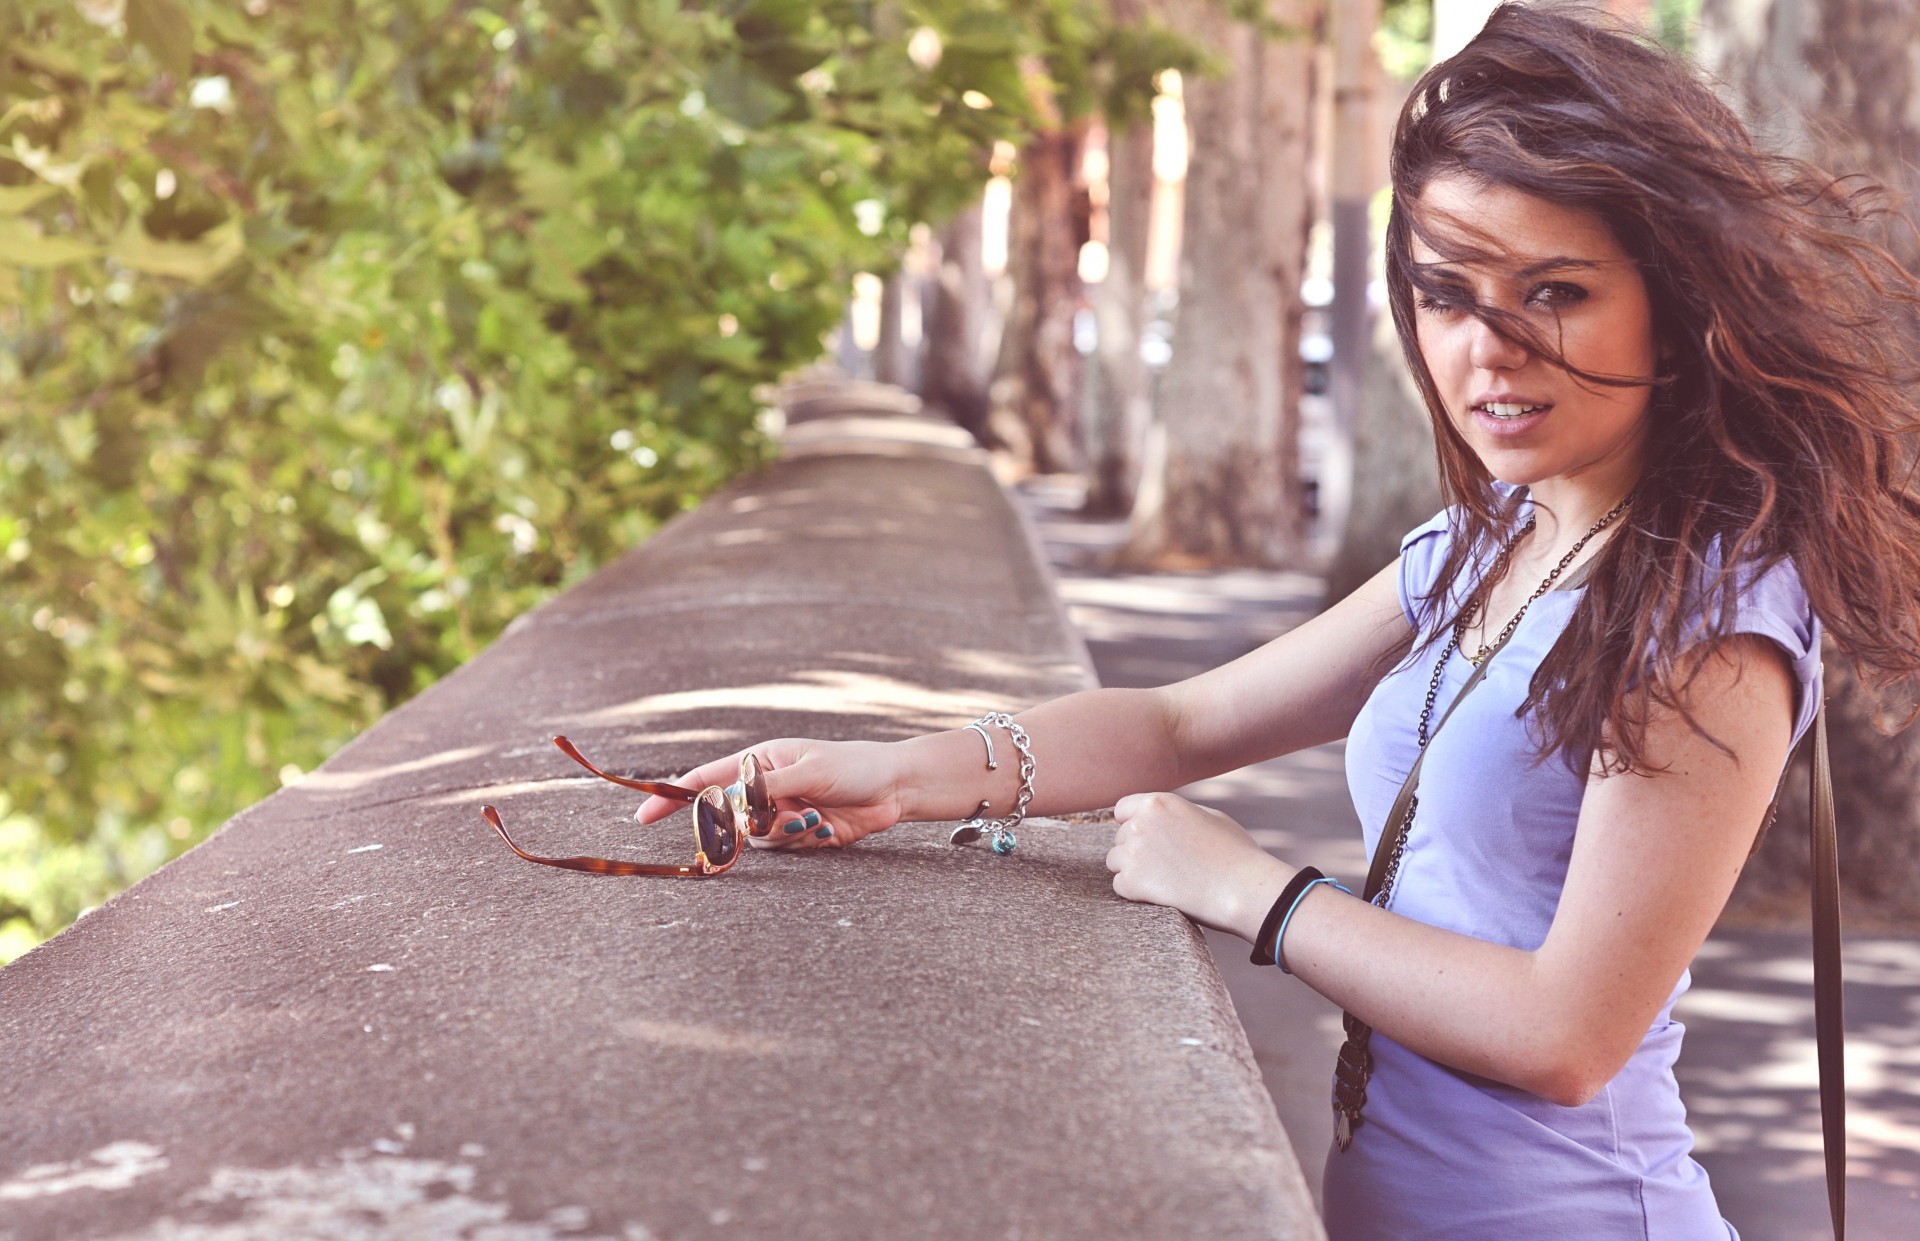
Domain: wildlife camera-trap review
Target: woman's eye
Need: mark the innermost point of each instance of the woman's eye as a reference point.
(1557, 295)
(1437, 302)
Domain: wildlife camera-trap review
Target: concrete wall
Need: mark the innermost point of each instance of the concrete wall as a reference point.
(352, 1013)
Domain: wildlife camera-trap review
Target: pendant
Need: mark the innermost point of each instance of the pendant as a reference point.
(970, 830)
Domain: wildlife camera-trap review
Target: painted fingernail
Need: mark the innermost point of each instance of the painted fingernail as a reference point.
(795, 827)
(824, 832)
(813, 818)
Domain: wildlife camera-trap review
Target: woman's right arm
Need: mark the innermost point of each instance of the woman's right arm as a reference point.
(1092, 748)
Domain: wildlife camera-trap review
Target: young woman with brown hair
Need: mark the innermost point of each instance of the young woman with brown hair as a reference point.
(1667, 379)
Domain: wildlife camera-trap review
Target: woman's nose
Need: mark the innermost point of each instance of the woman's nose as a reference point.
(1488, 350)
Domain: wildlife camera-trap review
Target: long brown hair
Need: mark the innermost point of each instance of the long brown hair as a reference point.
(1781, 425)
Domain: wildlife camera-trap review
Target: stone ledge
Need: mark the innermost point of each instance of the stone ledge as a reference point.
(352, 1013)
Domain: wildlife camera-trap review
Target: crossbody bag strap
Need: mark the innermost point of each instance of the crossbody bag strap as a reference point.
(1396, 825)
(1829, 1014)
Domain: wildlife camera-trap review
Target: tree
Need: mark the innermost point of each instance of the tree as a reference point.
(1120, 405)
(1397, 477)
(1037, 377)
(1834, 82)
(1224, 485)
(954, 374)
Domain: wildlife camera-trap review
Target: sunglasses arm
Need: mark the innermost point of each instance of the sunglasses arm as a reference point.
(671, 791)
(594, 865)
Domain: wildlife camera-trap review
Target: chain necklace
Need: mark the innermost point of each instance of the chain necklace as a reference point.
(1355, 1065)
(1472, 612)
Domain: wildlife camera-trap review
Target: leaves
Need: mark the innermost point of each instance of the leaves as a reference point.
(165, 28)
(20, 199)
(194, 261)
(22, 245)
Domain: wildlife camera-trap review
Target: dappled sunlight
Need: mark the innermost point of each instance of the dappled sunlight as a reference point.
(686, 1036)
(1267, 780)
(816, 434)
(1194, 596)
(1755, 1097)
(330, 781)
(1104, 625)
(822, 692)
(505, 790)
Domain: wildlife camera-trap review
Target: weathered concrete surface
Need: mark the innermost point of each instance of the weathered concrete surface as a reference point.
(353, 1014)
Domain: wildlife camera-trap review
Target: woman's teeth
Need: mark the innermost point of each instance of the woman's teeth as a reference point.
(1503, 409)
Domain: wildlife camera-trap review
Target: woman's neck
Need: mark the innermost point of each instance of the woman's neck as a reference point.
(1564, 512)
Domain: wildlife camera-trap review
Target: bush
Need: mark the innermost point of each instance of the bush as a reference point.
(337, 333)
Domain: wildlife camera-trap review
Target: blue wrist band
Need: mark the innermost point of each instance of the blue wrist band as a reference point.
(1281, 938)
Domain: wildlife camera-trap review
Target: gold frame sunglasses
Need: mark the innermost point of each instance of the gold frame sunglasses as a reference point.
(720, 817)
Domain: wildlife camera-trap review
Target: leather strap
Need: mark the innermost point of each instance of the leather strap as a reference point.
(1829, 1012)
(1397, 823)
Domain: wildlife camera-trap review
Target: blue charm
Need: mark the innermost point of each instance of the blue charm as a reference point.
(1003, 843)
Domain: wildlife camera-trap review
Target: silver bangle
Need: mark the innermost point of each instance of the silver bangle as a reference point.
(999, 832)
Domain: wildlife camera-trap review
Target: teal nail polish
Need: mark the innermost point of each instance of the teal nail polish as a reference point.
(813, 818)
(795, 827)
(824, 832)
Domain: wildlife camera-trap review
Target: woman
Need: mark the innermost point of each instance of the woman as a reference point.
(1670, 424)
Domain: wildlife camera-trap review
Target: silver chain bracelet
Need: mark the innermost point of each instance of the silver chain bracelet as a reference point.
(999, 832)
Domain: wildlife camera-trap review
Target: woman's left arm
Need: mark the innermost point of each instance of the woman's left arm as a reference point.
(1654, 860)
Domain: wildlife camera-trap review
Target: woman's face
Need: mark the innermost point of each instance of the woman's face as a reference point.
(1528, 419)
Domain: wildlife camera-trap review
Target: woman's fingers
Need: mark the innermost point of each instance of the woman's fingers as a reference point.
(796, 827)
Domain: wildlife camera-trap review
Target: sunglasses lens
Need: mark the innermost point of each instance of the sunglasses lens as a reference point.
(713, 821)
(760, 809)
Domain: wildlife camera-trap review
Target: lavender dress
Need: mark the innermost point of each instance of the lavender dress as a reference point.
(1443, 1155)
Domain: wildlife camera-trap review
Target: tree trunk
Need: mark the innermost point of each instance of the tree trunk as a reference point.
(891, 361)
(1037, 377)
(1121, 405)
(1395, 463)
(1357, 169)
(1831, 81)
(1835, 82)
(1228, 489)
(953, 374)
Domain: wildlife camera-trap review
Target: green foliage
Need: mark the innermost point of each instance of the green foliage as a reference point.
(334, 334)
(1675, 22)
(1404, 38)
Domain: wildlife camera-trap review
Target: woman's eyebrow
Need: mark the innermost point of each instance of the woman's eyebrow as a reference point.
(1559, 262)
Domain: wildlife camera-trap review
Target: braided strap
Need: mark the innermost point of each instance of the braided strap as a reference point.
(1350, 1074)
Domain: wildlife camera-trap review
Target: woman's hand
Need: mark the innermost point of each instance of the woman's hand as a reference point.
(828, 792)
(1169, 851)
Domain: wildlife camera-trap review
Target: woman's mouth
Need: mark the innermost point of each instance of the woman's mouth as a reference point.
(1510, 411)
(1504, 419)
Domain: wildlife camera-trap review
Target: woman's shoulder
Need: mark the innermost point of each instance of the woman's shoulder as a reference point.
(1423, 551)
(1768, 600)
(1768, 597)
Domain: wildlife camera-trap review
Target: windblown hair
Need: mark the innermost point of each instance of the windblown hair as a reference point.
(1781, 424)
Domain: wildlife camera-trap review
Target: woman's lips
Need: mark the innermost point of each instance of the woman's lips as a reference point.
(1512, 418)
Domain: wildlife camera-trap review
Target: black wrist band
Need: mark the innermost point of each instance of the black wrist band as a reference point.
(1263, 946)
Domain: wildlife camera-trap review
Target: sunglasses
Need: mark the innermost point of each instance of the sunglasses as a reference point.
(720, 817)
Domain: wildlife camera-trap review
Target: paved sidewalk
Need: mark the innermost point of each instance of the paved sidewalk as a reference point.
(1748, 1072)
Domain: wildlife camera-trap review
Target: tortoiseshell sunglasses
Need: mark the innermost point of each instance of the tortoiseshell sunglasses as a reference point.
(719, 817)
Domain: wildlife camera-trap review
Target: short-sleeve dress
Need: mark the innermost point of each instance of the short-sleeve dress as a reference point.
(1444, 1155)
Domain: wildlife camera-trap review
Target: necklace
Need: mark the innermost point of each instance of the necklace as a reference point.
(1472, 612)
